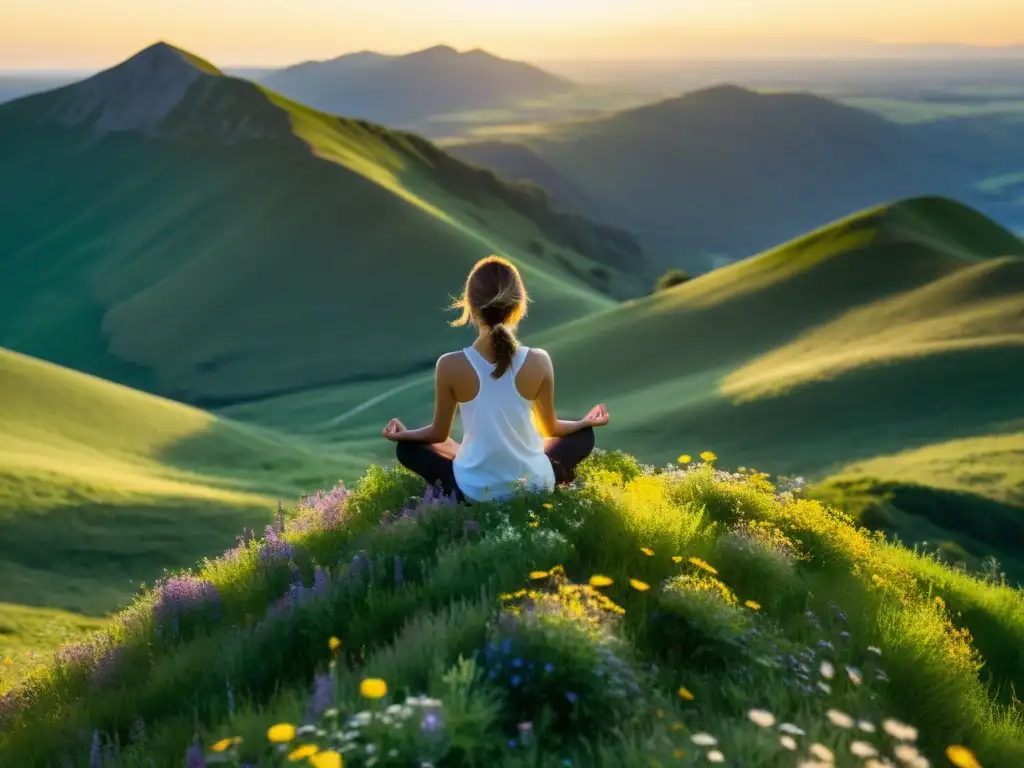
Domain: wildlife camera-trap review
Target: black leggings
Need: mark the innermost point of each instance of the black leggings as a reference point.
(564, 453)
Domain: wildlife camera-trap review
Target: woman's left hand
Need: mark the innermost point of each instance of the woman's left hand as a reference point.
(393, 429)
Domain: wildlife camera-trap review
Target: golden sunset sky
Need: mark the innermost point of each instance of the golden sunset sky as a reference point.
(64, 34)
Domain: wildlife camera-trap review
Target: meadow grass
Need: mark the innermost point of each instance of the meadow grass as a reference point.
(640, 617)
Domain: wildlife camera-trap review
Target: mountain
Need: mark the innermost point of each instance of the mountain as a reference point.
(729, 172)
(200, 237)
(403, 91)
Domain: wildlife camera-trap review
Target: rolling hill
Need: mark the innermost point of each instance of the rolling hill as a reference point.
(102, 486)
(403, 91)
(197, 236)
(890, 331)
(727, 172)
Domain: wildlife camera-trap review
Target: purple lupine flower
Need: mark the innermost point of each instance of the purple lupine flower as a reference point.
(399, 571)
(107, 665)
(95, 755)
(184, 595)
(75, 654)
(431, 722)
(275, 549)
(322, 697)
(360, 566)
(324, 509)
(279, 519)
(231, 699)
(194, 757)
(320, 582)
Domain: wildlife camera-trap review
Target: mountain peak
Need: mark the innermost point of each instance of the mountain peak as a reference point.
(136, 94)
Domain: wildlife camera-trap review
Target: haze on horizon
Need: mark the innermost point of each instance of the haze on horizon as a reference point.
(71, 34)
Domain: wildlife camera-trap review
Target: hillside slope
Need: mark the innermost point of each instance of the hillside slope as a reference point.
(705, 613)
(101, 485)
(885, 332)
(403, 90)
(729, 172)
(193, 235)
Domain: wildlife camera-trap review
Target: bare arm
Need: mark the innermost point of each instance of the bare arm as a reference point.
(544, 406)
(445, 404)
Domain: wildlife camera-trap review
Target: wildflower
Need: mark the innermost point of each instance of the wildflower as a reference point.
(908, 754)
(571, 697)
(547, 506)
(701, 564)
(281, 733)
(677, 558)
(7, 662)
(685, 694)
(685, 459)
(716, 756)
(900, 731)
(638, 585)
(194, 757)
(647, 551)
(703, 739)
(840, 719)
(329, 759)
(307, 750)
(821, 752)
(225, 744)
(678, 754)
(827, 670)
(600, 581)
(866, 726)
(373, 688)
(761, 717)
(862, 749)
(535, 575)
(788, 742)
(962, 757)
(708, 456)
(824, 687)
(753, 605)
(855, 676)
(875, 650)
(792, 729)
(334, 644)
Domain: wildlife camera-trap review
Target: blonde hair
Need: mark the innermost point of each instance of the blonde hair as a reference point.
(495, 297)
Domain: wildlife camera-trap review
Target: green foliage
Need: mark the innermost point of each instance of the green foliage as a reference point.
(672, 278)
(676, 644)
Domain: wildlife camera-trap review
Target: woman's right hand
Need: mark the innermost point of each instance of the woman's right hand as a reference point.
(598, 416)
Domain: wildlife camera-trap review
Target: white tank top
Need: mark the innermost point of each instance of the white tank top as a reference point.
(501, 447)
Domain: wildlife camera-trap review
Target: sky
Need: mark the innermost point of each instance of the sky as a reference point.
(86, 34)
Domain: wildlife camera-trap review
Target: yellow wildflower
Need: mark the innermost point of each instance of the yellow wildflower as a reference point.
(753, 605)
(647, 551)
(600, 581)
(281, 733)
(685, 459)
(962, 757)
(684, 693)
(307, 750)
(701, 564)
(539, 574)
(677, 558)
(678, 754)
(7, 662)
(373, 688)
(708, 456)
(638, 585)
(224, 744)
(334, 643)
(547, 506)
(329, 759)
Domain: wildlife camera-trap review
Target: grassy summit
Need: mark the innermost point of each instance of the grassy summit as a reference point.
(707, 615)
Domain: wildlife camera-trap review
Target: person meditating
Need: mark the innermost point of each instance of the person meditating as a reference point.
(504, 390)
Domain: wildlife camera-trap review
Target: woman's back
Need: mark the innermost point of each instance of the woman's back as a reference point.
(501, 446)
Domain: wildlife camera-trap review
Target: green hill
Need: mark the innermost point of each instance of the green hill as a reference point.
(889, 331)
(707, 615)
(404, 91)
(101, 487)
(726, 172)
(196, 236)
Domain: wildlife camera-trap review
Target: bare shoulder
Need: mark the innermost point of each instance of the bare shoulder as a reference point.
(538, 359)
(452, 363)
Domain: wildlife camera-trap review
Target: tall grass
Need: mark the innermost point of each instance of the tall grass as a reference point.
(641, 617)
